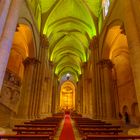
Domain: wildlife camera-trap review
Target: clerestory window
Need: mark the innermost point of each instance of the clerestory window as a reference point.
(105, 5)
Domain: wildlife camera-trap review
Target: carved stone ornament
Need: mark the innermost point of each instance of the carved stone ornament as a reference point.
(10, 93)
(106, 63)
(29, 60)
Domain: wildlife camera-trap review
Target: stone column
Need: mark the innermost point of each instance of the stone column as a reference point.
(23, 111)
(46, 87)
(78, 96)
(94, 90)
(57, 95)
(54, 95)
(90, 98)
(80, 92)
(95, 78)
(107, 66)
(48, 94)
(31, 107)
(43, 70)
(81, 99)
(4, 8)
(132, 30)
(38, 82)
(99, 89)
(7, 37)
(85, 98)
(55, 99)
(87, 87)
(51, 69)
(103, 94)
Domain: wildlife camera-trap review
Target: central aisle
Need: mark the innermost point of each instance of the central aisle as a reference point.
(67, 131)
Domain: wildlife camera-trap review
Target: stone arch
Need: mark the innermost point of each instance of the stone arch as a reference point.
(104, 50)
(115, 48)
(25, 21)
(22, 49)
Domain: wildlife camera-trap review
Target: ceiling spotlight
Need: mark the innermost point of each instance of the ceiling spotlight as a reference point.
(68, 76)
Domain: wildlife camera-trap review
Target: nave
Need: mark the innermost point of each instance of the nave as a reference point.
(69, 126)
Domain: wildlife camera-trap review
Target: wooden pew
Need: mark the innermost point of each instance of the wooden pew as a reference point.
(42, 123)
(47, 126)
(75, 115)
(84, 131)
(82, 119)
(50, 131)
(25, 137)
(110, 137)
(45, 121)
(87, 120)
(92, 123)
(36, 126)
(99, 126)
(88, 126)
(49, 118)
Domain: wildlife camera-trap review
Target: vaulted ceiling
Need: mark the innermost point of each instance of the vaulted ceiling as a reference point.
(69, 26)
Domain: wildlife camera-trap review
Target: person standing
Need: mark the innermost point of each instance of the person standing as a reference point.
(126, 117)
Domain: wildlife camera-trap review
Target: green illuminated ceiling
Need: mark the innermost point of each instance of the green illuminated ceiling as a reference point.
(69, 26)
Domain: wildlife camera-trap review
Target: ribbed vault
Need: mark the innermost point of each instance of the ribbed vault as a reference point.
(69, 26)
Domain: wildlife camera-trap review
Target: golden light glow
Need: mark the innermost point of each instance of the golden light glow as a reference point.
(67, 95)
(22, 43)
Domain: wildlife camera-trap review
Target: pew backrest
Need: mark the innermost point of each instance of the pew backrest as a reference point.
(110, 137)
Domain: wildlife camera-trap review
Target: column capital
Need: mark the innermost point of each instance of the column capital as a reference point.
(56, 76)
(80, 76)
(94, 42)
(51, 63)
(122, 29)
(106, 63)
(29, 60)
(84, 64)
(44, 41)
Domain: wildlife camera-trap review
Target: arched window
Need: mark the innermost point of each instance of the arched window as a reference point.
(105, 5)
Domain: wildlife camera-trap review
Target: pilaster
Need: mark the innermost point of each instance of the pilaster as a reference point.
(107, 66)
(26, 94)
(95, 78)
(34, 90)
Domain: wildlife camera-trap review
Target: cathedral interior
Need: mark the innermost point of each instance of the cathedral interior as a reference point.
(76, 55)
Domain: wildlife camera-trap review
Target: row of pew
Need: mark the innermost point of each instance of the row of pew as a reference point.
(90, 129)
(39, 129)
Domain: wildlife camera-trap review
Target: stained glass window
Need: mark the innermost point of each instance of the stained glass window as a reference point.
(105, 4)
